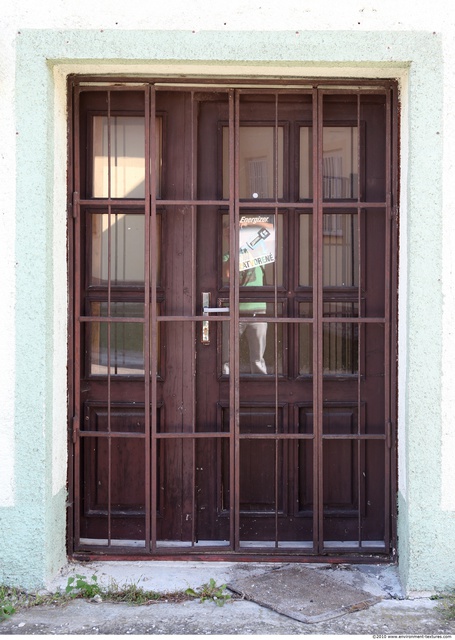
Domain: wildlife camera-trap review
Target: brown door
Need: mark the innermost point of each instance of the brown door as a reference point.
(233, 273)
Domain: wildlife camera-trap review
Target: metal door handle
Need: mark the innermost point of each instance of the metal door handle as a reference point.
(206, 310)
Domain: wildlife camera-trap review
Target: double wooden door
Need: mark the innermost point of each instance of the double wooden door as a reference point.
(233, 334)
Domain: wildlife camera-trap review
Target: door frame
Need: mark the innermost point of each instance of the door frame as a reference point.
(391, 275)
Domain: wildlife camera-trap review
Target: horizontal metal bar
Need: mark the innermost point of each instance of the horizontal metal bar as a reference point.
(112, 434)
(104, 202)
(122, 319)
(353, 319)
(113, 85)
(354, 436)
(284, 88)
(247, 204)
(258, 318)
(246, 319)
(188, 435)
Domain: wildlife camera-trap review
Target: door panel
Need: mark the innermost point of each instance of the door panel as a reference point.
(233, 313)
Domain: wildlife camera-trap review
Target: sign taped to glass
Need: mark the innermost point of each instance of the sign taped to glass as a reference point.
(257, 241)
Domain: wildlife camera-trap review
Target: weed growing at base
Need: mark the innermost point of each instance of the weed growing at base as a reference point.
(210, 591)
(6, 607)
(447, 605)
(79, 586)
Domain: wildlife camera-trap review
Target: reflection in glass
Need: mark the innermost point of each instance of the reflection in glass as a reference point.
(305, 340)
(256, 162)
(340, 348)
(256, 346)
(124, 348)
(261, 247)
(306, 250)
(340, 162)
(340, 250)
(127, 248)
(125, 145)
(341, 309)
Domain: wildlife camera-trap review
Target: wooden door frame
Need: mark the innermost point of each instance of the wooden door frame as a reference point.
(390, 88)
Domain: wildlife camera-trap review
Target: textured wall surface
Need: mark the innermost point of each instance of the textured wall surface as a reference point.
(39, 46)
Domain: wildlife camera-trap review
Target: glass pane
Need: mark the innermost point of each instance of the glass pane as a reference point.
(257, 342)
(341, 309)
(127, 248)
(256, 162)
(125, 340)
(306, 163)
(306, 250)
(261, 250)
(305, 340)
(340, 250)
(340, 348)
(340, 162)
(124, 142)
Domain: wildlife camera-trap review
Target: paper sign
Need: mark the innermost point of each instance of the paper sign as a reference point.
(257, 241)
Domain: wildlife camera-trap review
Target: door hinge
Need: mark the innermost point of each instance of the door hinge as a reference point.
(74, 204)
(394, 213)
(75, 428)
(388, 434)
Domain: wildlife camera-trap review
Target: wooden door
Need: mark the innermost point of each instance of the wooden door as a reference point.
(233, 273)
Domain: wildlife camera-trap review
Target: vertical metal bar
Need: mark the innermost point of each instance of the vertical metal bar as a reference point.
(234, 392)
(318, 210)
(360, 478)
(77, 285)
(233, 530)
(275, 326)
(387, 309)
(392, 371)
(149, 118)
(109, 324)
(194, 301)
(152, 327)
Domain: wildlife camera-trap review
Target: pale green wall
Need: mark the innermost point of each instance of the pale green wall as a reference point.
(32, 533)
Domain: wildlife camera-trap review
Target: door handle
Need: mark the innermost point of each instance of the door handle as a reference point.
(206, 311)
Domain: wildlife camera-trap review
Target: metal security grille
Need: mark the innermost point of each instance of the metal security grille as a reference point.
(232, 319)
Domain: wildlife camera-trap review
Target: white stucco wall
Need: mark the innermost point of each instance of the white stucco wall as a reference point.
(39, 45)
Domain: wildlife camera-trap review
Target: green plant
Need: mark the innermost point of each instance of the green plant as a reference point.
(79, 586)
(7, 600)
(6, 611)
(210, 591)
(449, 606)
(130, 594)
